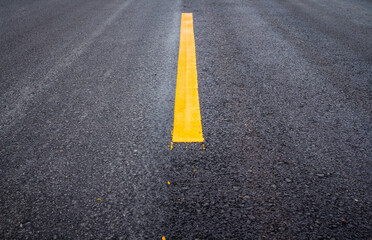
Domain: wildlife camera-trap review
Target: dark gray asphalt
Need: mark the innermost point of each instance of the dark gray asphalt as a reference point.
(87, 95)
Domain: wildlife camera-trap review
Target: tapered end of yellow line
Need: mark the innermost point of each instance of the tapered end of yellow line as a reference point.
(187, 139)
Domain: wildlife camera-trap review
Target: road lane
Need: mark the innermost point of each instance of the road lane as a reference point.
(286, 120)
(285, 96)
(89, 133)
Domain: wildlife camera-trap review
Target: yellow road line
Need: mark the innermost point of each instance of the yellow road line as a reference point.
(187, 125)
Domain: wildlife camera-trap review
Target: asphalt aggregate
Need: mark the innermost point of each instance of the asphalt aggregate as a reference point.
(86, 115)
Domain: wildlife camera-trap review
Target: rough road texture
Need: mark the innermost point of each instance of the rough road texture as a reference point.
(86, 112)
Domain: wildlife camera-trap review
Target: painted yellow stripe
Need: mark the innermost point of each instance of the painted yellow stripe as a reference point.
(187, 125)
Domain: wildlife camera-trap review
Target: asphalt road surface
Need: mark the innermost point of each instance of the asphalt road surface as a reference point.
(86, 117)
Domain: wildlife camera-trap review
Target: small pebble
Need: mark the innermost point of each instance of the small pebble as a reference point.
(251, 217)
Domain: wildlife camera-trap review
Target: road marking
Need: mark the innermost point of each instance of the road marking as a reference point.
(187, 125)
